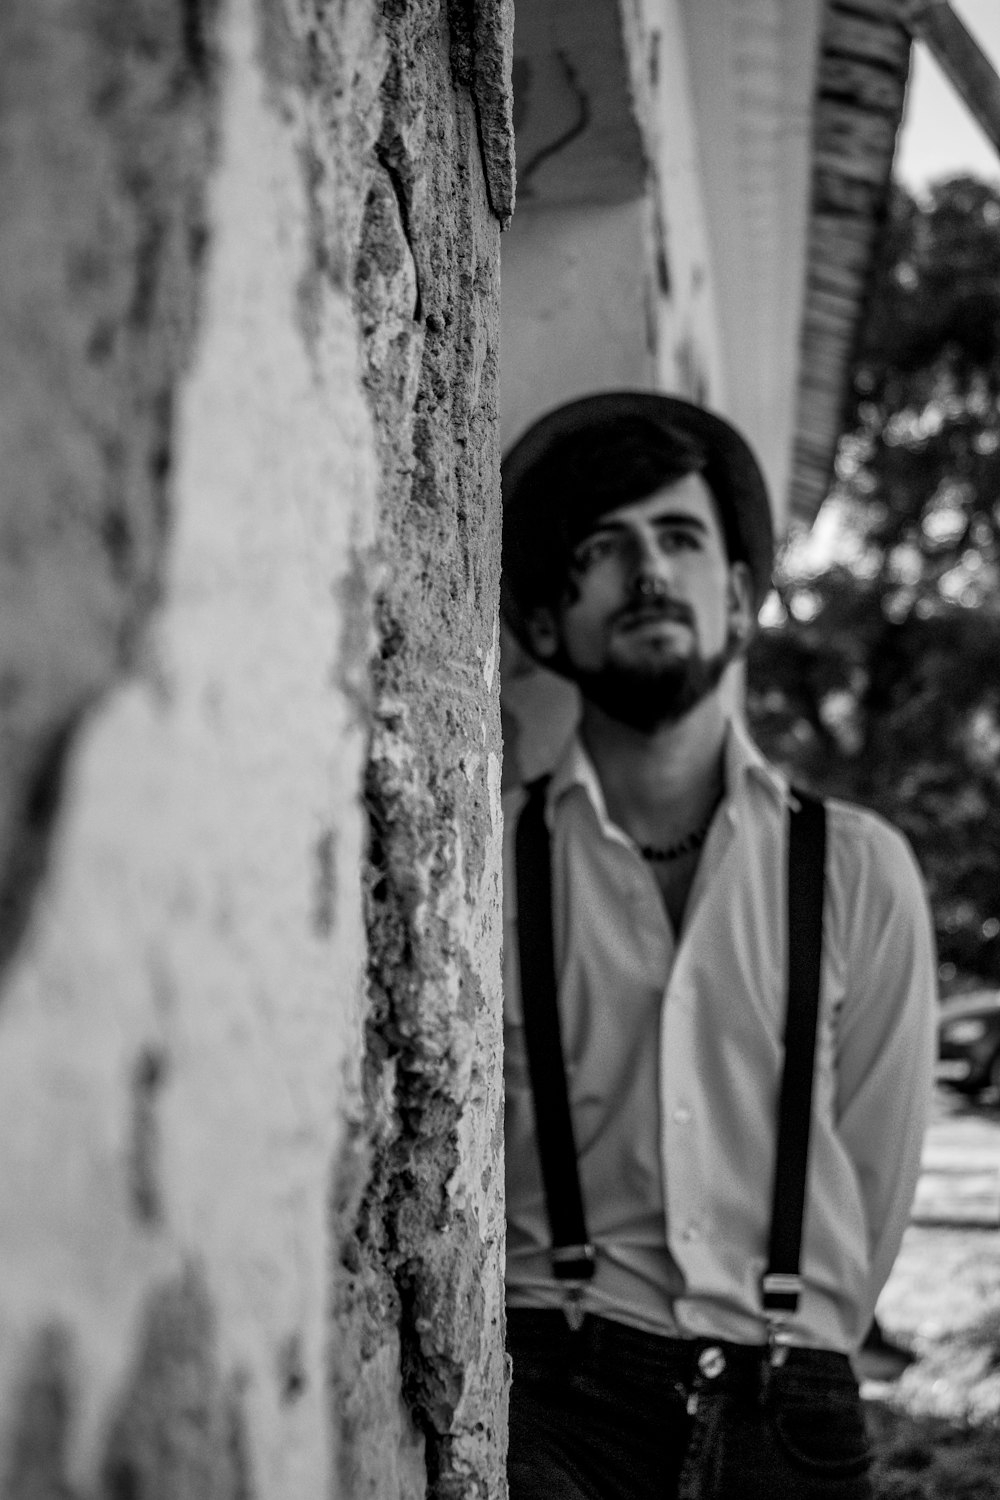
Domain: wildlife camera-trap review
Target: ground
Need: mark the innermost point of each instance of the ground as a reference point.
(937, 1429)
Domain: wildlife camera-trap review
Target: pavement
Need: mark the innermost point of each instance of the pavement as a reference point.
(960, 1167)
(932, 1290)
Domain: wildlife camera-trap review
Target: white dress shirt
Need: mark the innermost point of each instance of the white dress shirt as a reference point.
(673, 1046)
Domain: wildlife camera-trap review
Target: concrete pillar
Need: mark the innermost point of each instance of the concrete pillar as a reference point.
(250, 1204)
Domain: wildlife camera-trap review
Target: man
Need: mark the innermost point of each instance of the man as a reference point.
(637, 550)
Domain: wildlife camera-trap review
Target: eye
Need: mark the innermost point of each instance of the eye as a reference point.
(594, 551)
(680, 539)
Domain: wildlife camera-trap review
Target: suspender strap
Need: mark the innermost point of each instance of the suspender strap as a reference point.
(572, 1252)
(782, 1284)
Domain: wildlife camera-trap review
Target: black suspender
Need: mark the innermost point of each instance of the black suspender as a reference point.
(572, 1252)
(781, 1285)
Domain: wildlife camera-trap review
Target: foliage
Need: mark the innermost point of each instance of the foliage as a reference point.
(930, 1458)
(878, 677)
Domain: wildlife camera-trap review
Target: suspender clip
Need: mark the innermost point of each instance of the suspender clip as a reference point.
(573, 1267)
(779, 1342)
(573, 1309)
(780, 1293)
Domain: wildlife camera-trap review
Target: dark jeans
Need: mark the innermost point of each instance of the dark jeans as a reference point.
(611, 1413)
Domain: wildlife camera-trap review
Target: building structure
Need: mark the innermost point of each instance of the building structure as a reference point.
(701, 188)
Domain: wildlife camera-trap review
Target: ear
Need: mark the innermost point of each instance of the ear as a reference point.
(739, 601)
(543, 632)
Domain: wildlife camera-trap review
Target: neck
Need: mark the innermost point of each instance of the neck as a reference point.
(661, 785)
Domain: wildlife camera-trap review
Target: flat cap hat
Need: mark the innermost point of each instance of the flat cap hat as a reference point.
(536, 510)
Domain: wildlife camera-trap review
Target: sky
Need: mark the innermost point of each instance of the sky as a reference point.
(939, 137)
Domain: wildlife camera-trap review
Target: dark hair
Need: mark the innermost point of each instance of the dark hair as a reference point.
(582, 477)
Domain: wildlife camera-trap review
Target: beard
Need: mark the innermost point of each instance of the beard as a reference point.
(651, 695)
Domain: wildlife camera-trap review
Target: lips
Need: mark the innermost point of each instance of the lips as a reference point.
(653, 614)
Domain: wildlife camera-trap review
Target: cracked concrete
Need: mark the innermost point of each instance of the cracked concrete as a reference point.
(420, 1261)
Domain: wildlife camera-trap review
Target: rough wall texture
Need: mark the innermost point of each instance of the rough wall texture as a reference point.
(250, 1218)
(419, 1284)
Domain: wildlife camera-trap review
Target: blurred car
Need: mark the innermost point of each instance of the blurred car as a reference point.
(969, 1042)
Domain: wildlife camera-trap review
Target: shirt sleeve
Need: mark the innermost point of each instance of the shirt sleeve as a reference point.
(886, 1040)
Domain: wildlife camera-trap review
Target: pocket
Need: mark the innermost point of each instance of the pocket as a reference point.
(823, 1435)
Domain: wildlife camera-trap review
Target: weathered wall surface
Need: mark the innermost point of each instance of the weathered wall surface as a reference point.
(250, 1227)
(419, 1288)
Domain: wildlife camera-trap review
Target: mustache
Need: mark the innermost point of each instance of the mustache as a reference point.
(640, 607)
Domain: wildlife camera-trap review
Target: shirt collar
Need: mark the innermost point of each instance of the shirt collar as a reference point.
(574, 768)
(743, 763)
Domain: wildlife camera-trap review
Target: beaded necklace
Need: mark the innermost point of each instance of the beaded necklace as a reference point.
(687, 845)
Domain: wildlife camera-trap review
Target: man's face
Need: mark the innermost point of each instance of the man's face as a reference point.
(653, 609)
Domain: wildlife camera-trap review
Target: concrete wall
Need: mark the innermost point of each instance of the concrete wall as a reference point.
(250, 1216)
(679, 134)
(578, 314)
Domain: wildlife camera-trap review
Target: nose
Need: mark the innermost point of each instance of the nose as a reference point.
(651, 568)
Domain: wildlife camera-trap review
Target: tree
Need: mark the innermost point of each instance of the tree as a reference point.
(878, 677)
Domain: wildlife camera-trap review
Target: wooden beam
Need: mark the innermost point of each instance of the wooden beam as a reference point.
(960, 58)
(861, 79)
(858, 82)
(872, 40)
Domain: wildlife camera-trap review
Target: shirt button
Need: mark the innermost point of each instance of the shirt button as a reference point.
(682, 1115)
(711, 1362)
(690, 1233)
